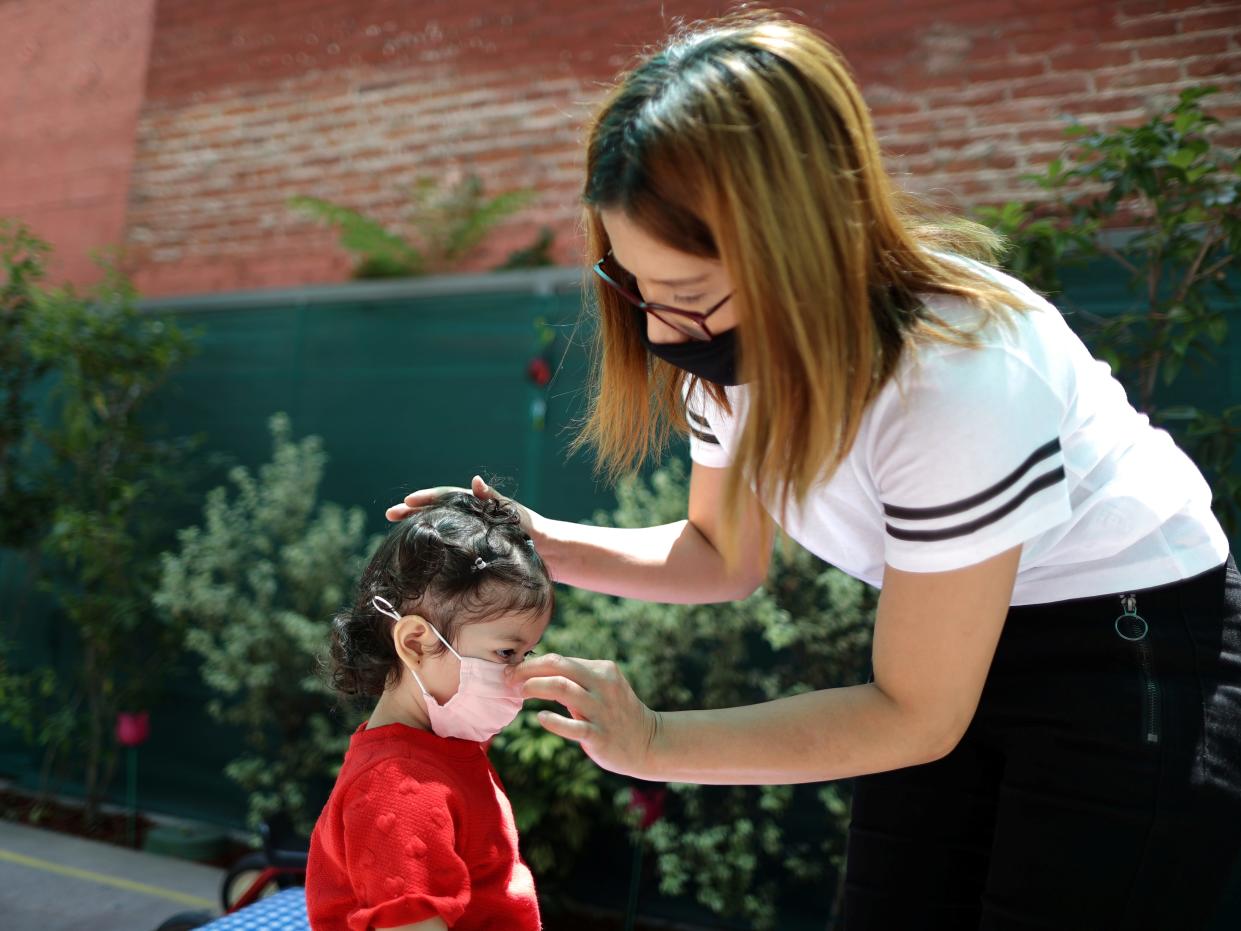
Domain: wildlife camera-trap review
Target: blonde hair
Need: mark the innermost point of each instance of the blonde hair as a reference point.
(746, 140)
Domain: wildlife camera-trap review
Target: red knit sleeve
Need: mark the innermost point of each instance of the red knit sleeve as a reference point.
(400, 849)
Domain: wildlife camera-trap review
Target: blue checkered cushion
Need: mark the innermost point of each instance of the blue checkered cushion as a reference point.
(284, 911)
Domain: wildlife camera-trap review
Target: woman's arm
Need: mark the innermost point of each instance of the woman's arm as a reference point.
(679, 563)
(935, 635)
(431, 924)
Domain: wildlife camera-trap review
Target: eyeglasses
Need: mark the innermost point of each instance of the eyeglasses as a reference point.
(693, 323)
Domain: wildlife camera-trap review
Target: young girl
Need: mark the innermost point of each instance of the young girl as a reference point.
(418, 834)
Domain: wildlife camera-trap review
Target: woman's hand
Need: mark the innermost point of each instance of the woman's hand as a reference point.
(611, 723)
(417, 500)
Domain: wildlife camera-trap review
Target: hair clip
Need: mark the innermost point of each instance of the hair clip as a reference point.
(479, 563)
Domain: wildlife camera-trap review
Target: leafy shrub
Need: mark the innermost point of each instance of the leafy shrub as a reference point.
(445, 224)
(75, 477)
(25, 504)
(1163, 203)
(254, 586)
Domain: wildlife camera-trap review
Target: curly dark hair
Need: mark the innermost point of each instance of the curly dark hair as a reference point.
(428, 565)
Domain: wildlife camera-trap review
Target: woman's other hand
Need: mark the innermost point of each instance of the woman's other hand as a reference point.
(416, 500)
(611, 723)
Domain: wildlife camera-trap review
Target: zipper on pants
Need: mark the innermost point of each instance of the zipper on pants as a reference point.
(1132, 627)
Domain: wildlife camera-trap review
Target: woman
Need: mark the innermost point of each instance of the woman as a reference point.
(1051, 736)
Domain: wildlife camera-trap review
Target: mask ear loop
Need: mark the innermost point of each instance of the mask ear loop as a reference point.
(384, 606)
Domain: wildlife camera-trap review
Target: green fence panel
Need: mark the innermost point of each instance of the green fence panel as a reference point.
(407, 387)
(1100, 290)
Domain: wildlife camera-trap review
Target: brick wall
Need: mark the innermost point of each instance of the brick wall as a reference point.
(71, 78)
(250, 102)
(353, 101)
(973, 95)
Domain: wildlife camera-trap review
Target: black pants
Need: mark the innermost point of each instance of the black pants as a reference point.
(1098, 786)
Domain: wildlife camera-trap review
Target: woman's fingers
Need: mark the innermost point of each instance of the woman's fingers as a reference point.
(423, 497)
(611, 723)
(562, 690)
(553, 664)
(482, 490)
(416, 500)
(567, 728)
(427, 496)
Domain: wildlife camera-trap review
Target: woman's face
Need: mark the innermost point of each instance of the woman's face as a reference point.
(669, 276)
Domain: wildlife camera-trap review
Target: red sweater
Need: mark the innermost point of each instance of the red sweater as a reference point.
(417, 826)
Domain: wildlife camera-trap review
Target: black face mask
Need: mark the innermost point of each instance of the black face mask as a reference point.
(713, 360)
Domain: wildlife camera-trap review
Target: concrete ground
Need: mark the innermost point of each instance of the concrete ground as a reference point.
(56, 882)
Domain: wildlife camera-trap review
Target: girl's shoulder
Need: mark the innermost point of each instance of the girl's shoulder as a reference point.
(411, 770)
(415, 792)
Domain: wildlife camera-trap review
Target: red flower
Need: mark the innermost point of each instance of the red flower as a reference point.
(539, 371)
(650, 802)
(132, 728)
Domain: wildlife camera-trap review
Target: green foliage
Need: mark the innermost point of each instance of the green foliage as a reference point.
(253, 585)
(1180, 198)
(22, 695)
(79, 479)
(733, 848)
(558, 794)
(24, 505)
(381, 254)
(445, 226)
(536, 255)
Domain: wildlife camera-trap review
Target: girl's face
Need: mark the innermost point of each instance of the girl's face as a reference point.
(505, 640)
(669, 276)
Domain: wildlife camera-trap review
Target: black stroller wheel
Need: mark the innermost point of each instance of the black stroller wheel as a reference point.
(184, 921)
(242, 875)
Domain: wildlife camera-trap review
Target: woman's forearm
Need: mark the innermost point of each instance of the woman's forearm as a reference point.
(672, 563)
(817, 736)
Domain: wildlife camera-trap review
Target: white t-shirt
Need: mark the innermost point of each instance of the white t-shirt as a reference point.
(966, 453)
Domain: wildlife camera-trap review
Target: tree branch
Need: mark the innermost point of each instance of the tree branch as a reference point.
(1208, 240)
(1116, 256)
(1222, 263)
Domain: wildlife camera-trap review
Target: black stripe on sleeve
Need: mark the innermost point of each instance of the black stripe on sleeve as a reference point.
(943, 510)
(705, 437)
(1039, 484)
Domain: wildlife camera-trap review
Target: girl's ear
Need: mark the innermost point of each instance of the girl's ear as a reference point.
(412, 636)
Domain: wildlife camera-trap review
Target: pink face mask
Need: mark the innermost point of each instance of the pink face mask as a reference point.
(485, 702)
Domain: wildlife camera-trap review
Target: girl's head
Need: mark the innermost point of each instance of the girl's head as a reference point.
(462, 566)
(740, 158)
